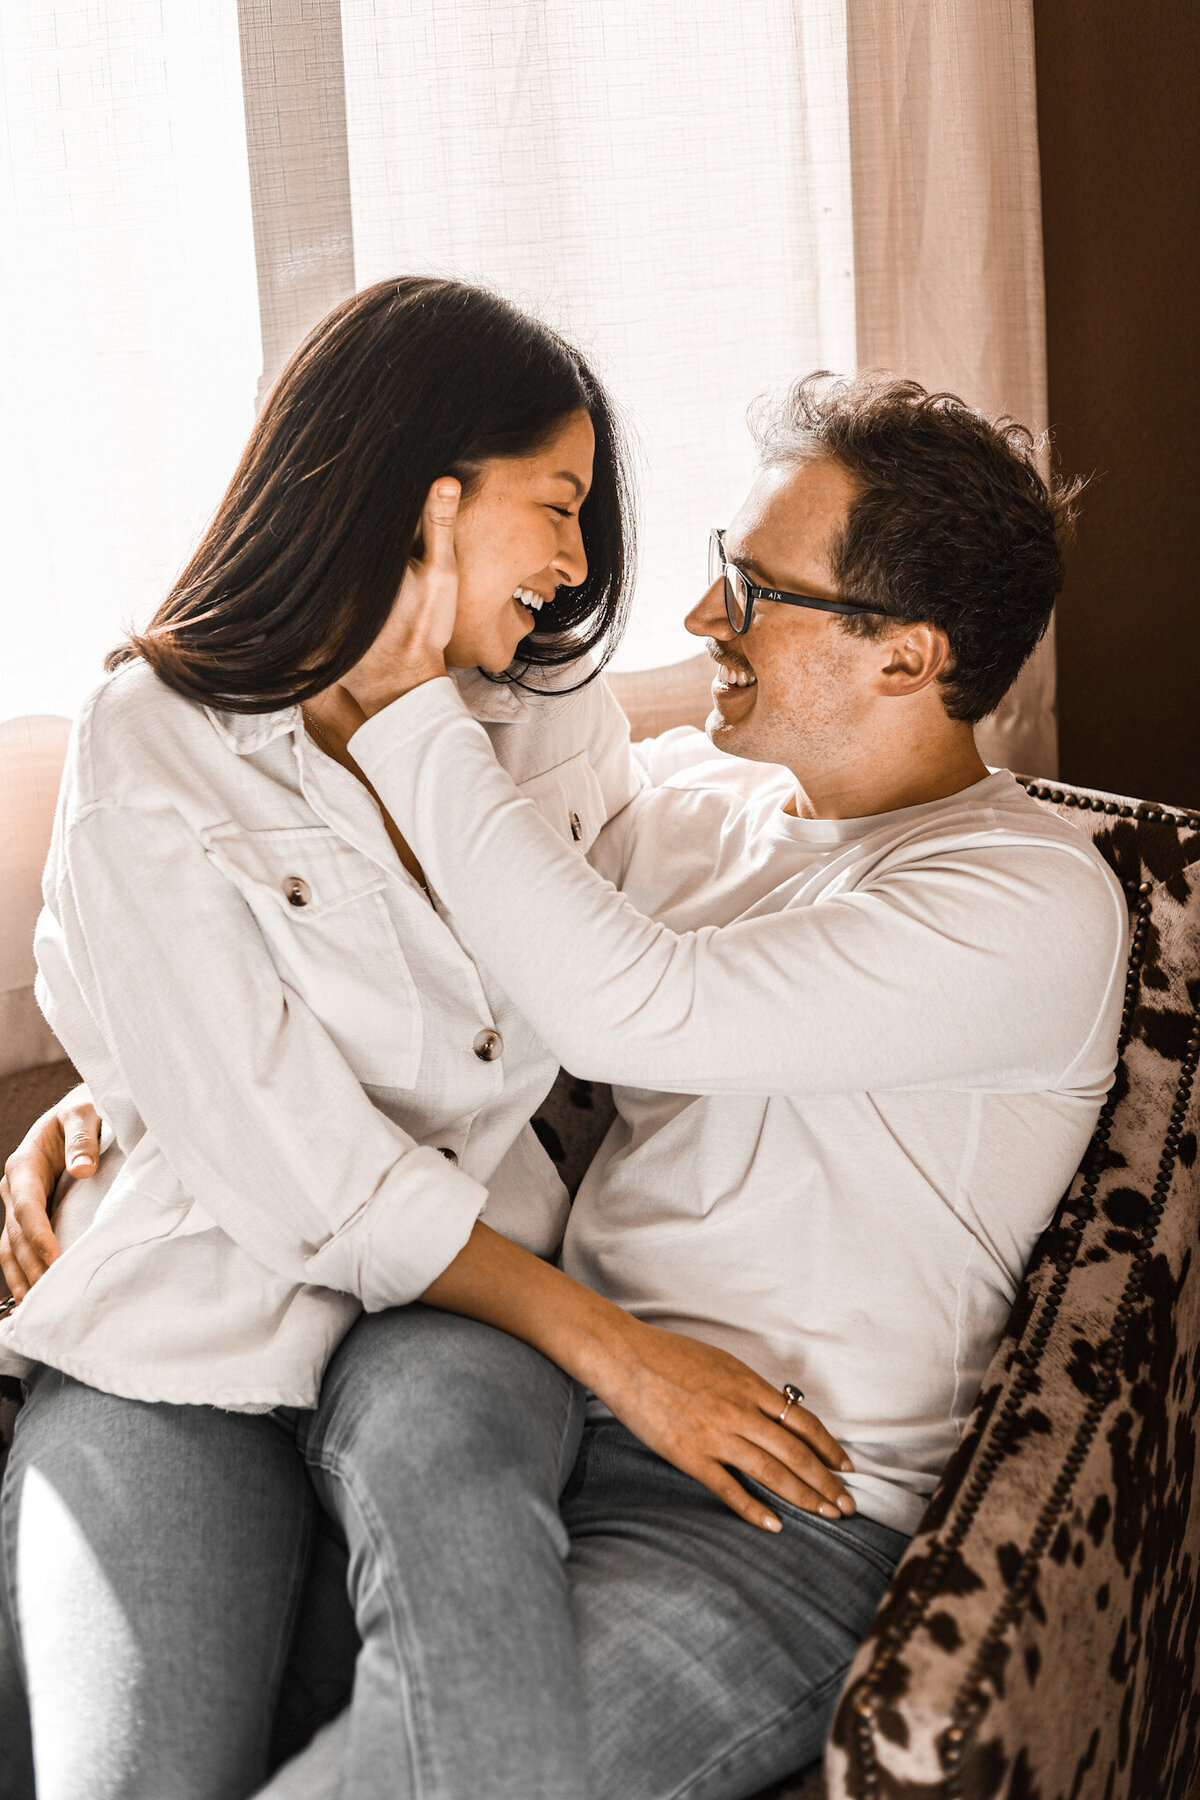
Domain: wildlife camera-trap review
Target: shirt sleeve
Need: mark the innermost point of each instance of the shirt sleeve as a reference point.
(156, 977)
(934, 975)
(682, 747)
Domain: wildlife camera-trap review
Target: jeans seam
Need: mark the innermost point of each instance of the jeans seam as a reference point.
(573, 1400)
(283, 1647)
(731, 1752)
(8, 1565)
(859, 1546)
(376, 1535)
(886, 1569)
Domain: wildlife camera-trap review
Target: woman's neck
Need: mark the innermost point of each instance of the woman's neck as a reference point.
(330, 727)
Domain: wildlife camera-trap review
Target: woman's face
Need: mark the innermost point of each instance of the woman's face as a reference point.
(519, 532)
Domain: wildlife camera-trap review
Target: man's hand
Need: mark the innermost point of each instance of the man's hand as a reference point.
(411, 647)
(65, 1139)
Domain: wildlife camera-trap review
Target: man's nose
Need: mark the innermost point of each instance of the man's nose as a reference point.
(708, 618)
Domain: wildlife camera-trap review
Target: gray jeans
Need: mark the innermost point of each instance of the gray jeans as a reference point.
(154, 1562)
(637, 1643)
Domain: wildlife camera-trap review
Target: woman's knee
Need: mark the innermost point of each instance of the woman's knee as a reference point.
(427, 1411)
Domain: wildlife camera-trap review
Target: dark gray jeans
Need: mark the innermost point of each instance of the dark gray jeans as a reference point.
(639, 1643)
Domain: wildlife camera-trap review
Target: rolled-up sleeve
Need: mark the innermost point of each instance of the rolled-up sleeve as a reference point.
(146, 949)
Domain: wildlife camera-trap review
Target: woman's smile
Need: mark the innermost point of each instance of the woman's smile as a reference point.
(529, 602)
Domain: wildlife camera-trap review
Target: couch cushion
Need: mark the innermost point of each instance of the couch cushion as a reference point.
(31, 760)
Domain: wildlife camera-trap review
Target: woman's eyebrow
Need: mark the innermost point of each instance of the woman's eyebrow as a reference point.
(566, 475)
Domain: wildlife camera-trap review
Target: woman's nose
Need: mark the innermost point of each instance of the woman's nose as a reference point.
(708, 618)
(570, 564)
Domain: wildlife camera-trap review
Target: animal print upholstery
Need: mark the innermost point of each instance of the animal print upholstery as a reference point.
(1039, 1640)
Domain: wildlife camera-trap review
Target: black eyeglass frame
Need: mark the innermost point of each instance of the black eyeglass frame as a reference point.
(717, 559)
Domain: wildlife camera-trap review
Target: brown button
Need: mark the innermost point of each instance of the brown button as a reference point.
(296, 891)
(449, 1154)
(576, 827)
(487, 1045)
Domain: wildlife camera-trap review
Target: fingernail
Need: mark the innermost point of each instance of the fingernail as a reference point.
(771, 1522)
(847, 1467)
(845, 1504)
(828, 1512)
(446, 490)
(80, 1161)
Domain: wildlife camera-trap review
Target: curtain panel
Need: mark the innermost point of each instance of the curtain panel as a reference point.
(948, 241)
(709, 200)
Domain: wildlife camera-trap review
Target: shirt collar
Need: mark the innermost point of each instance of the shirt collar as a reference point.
(246, 732)
(493, 702)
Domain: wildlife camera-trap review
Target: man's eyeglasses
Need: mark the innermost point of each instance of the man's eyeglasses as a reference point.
(741, 592)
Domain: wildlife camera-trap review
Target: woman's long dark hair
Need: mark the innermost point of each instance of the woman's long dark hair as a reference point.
(296, 575)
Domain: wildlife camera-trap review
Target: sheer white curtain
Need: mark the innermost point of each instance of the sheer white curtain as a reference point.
(128, 318)
(709, 199)
(670, 185)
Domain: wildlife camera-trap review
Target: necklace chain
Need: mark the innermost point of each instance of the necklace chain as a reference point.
(317, 732)
(328, 748)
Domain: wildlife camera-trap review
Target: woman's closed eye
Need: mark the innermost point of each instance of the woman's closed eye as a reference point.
(564, 512)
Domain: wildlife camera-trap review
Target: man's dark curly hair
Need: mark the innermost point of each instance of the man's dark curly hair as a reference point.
(954, 524)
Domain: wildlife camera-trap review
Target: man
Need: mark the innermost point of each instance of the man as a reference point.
(861, 1007)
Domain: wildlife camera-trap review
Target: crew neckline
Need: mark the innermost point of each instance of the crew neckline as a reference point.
(842, 831)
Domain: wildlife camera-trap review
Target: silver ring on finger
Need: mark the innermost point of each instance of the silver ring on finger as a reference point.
(792, 1396)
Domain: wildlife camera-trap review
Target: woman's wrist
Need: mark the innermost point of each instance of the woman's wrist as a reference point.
(606, 1349)
(371, 696)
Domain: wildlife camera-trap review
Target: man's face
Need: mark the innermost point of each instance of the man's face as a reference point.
(810, 685)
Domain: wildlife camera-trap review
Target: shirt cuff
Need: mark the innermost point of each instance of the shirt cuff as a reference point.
(405, 1236)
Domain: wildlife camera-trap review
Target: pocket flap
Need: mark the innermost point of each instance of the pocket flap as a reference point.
(307, 870)
(570, 796)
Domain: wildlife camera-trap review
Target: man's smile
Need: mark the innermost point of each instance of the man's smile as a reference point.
(734, 674)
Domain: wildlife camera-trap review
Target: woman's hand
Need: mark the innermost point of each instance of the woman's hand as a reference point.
(711, 1416)
(696, 1406)
(411, 647)
(66, 1137)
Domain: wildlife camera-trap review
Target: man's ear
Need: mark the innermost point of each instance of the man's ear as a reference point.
(914, 657)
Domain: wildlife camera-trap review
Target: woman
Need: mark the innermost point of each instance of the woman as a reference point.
(314, 1089)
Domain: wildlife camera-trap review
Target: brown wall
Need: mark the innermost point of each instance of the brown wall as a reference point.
(1117, 118)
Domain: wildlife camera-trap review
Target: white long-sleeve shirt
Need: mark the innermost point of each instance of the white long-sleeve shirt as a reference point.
(284, 1034)
(857, 1061)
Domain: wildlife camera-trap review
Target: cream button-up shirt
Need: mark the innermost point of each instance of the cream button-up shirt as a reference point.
(313, 1089)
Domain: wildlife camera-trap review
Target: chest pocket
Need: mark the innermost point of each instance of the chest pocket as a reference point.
(321, 909)
(570, 796)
